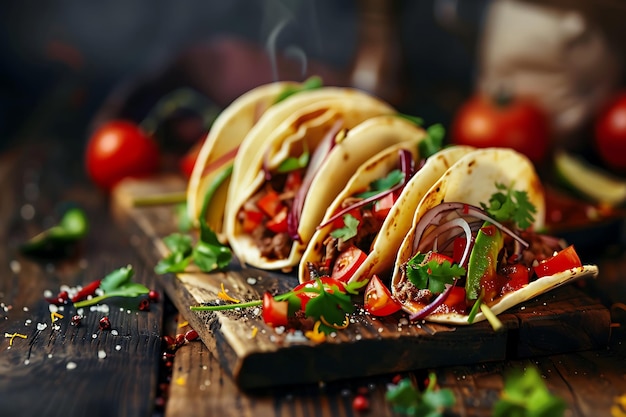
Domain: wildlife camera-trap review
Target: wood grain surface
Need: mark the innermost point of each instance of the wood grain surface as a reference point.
(564, 320)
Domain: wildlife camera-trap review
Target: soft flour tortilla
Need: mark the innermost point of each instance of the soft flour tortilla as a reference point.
(533, 289)
(220, 146)
(472, 180)
(368, 135)
(398, 222)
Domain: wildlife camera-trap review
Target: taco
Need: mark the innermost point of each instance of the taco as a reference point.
(365, 225)
(211, 174)
(301, 170)
(474, 248)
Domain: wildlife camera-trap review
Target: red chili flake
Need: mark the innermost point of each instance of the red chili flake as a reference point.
(63, 296)
(154, 296)
(105, 323)
(86, 291)
(76, 318)
(360, 403)
(396, 379)
(144, 304)
(170, 343)
(180, 340)
(191, 335)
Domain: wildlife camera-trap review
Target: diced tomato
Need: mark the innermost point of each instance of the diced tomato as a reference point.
(347, 263)
(517, 277)
(294, 180)
(270, 203)
(278, 223)
(274, 312)
(251, 220)
(381, 207)
(304, 296)
(458, 248)
(339, 223)
(456, 299)
(564, 260)
(378, 300)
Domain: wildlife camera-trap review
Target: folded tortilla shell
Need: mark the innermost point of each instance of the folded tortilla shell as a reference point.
(221, 145)
(369, 135)
(472, 180)
(398, 222)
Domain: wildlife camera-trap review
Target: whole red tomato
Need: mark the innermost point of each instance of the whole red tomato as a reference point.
(610, 133)
(120, 149)
(507, 122)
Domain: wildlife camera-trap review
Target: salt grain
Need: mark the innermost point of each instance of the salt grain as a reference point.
(114, 332)
(41, 326)
(102, 354)
(95, 335)
(251, 280)
(26, 362)
(15, 266)
(118, 347)
(70, 366)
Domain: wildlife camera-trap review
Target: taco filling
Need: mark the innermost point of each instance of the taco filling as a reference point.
(358, 220)
(272, 215)
(465, 256)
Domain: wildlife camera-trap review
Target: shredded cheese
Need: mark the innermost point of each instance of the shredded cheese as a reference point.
(54, 316)
(335, 326)
(254, 332)
(315, 335)
(619, 407)
(183, 324)
(224, 296)
(12, 336)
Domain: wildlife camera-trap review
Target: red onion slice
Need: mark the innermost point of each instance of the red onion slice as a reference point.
(406, 167)
(327, 143)
(433, 304)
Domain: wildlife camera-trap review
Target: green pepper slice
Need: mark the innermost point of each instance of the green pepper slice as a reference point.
(483, 260)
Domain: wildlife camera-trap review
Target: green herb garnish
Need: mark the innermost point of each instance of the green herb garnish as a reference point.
(116, 284)
(433, 142)
(379, 185)
(508, 205)
(406, 399)
(208, 254)
(72, 227)
(526, 395)
(349, 230)
(311, 83)
(432, 275)
(293, 163)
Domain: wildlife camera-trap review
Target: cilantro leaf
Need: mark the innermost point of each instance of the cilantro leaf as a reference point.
(390, 180)
(116, 284)
(408, 400)
(349, 230)
(526, 395)
(117, 278)
(310, 83)
(208, 254)
(508, 205)
(432, 275)
(433, 141)
(293, 163)
(330, 306)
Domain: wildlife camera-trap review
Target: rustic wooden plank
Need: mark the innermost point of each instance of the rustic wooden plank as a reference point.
(250, 360)
(115, 371)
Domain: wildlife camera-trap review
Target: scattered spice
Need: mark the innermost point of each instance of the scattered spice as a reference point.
(224, 296)
(54, 316)
(12, 336)
(315, 335)
(105, 323)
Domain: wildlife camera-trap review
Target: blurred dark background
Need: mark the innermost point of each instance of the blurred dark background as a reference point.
(67, 63)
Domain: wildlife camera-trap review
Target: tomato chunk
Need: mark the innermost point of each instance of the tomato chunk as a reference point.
(347, 263)
(328, 284)
(274, 312)
(278, 223)
(270, 203)
(251, 219)
(383, 206)
(378, 300)
(564, 260)
(456, 299)
(517, 277)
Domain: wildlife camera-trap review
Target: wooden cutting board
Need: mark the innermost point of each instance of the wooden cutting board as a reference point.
(256, 356)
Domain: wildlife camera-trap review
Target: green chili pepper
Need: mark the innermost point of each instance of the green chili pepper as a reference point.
(483, 260)
(72, 227)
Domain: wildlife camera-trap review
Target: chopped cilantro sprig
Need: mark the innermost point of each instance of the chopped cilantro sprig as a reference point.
(508, 205)
(406, 399)
(432, 275)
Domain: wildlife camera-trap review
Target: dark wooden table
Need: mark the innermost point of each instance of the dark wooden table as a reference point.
(51, 367)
